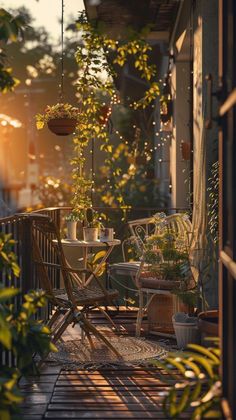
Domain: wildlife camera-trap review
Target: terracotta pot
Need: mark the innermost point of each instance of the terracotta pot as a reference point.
(161, 310)
(185, 149)
(62, 126)
(209, 323)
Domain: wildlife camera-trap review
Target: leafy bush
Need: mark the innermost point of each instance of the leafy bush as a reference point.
(20, 333)
(195, 382)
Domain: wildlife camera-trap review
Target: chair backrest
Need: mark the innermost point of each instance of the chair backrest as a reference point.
(140, 229)
(178, 224)
(180, 227)
(46, 242)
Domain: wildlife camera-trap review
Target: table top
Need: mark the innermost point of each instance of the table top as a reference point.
(87, 244)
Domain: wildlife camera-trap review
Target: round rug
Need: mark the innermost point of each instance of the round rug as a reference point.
(132, 350)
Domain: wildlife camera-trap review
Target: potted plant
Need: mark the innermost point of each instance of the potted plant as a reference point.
(90, 231)
(167, 267)
(166, 260)
(71, 224)
(208, 322)
(60, 118)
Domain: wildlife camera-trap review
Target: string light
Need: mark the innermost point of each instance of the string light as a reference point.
(61, 84)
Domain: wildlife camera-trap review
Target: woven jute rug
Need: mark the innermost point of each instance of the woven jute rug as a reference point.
(134, 351)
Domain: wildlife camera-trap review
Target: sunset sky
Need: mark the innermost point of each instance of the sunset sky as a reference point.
(47, 12)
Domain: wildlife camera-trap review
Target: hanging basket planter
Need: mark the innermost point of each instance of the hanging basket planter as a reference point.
(60, 118)
(104, 114)
(62, 126)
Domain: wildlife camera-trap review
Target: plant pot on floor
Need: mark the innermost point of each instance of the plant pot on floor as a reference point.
(208, 323)
(186, 329)
(90, 234)
(71, 230)
(62, 126)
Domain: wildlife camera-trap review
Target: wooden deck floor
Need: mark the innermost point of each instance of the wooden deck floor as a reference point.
(124, 393)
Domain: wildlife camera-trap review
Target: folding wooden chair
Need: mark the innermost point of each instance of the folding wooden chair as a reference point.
(73, 300)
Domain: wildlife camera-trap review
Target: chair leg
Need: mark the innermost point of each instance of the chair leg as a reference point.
(89, 327)
(140, 314)
(87, 333)
(53, 318)
(67, 321)
(108, 318)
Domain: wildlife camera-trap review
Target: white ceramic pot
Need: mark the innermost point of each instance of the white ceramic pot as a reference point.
(71, 230)
(106, 234)
(186, 332)
(90, 234)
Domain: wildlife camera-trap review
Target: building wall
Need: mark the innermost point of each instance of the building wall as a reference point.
(205, 61)
(179, 168)
(196, 40)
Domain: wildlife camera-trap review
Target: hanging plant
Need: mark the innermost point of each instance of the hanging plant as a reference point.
(104, 114)
(166, 110)
(60, 118)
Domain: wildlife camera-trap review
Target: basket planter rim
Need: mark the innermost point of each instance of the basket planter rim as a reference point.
(62, 119)
(62, 126)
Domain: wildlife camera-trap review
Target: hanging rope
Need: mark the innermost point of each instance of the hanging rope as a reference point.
(61, 85)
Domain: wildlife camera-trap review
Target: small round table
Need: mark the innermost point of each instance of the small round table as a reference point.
(85, 245)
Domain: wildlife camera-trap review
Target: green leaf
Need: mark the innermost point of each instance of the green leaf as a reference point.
(5, 335)
(99, 255)
(204, 351)
(39, 125)
(204, 362)
(176, 364)
(184, 401)
(53, 348)
(7, 293)
(13, 397)
(5, 414)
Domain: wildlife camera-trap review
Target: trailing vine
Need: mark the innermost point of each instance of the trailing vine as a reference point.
(96, 91)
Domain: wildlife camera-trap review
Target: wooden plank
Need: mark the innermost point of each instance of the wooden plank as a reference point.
(43, 387)
(121, 388)
(109, 382)
(103, 415)
(114, 399)
(37, 398)
(38, 409)
(39, 379)
(102, 407)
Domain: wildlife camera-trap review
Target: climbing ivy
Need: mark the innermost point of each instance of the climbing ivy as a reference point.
(96, 91)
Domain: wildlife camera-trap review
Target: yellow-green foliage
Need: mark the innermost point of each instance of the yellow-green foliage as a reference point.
(95, 81)
(19, 332)
(196, 384)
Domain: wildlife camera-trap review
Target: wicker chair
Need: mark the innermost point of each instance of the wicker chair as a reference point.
(72, 301)
(180, 225)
